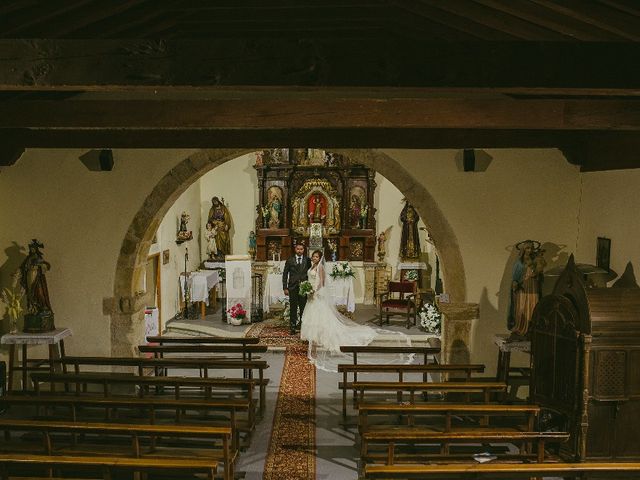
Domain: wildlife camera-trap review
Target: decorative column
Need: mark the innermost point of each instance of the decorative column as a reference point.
(456, 332)
(369, 283)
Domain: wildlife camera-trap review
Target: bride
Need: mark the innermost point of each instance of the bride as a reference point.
(326, 329)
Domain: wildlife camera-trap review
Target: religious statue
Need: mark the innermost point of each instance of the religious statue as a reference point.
(220, 218)
(355, 209)
(316, 213)
(183, 233)
(382, 252)
(526, 285)
(252, 244)
(210, 237)
(410, 238)
(333, 249)
(39, 316)
(336, 216)
(274, 207)
(363, 216)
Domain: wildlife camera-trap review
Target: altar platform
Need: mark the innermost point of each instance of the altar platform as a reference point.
(212, 324)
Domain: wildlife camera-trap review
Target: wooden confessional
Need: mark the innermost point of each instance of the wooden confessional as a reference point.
(586, 366)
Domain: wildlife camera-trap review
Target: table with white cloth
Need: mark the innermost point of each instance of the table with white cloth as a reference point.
(341, 290)
(200, 284)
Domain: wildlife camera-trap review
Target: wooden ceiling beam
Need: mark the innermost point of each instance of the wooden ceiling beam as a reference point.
(563, 24)
(303, 113)
(317, 62)
(627, 6)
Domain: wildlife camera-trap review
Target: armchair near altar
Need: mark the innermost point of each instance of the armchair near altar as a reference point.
(341, 289)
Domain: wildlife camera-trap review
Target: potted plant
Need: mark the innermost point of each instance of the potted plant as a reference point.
(237, 314)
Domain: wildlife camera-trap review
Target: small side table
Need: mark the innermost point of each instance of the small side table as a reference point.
(504, 372)
(55, 340)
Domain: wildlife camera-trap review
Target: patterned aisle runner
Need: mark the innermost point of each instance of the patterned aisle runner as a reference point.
(291, 454)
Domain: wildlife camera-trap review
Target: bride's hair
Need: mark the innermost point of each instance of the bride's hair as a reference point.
(319, 252)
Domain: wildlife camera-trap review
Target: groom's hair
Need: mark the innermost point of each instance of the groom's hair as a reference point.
(319, 252)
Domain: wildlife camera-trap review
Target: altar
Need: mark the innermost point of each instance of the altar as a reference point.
(200, 284)
(341, 289)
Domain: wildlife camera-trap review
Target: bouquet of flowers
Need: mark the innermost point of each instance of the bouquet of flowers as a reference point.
(305, 289)
(342, 270)
(237, 313)
(430, 318)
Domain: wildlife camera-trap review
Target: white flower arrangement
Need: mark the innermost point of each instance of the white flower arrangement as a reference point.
(342, 270)
(430, 318)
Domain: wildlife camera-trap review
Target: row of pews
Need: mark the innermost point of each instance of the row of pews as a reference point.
(436, 421)
(188, 407)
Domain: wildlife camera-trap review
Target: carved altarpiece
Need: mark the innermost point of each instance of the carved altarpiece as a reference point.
(299, 188)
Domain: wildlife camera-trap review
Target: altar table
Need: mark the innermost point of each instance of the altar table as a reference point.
(55, 340)
(200, 283)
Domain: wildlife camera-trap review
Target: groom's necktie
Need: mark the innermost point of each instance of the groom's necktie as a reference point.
(299, 260)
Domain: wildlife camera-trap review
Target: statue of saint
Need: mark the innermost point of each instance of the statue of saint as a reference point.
(275, 208)
(382, 252)
(210, 237)
(336, 216)
(220, 218)
(526, 283)
(39, 315)
(410, 238)
(252, 244)
(355, 209)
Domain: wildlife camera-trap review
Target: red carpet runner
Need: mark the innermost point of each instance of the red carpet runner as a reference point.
(291, 454)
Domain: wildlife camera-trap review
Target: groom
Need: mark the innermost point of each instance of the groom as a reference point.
(295, 272)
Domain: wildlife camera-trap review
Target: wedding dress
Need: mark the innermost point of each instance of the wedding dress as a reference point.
(326, 329)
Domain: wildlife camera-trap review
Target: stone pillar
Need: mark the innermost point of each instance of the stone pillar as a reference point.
(456, 332)
(369, 283)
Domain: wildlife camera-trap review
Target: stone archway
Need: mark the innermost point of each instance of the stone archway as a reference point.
(127, 316)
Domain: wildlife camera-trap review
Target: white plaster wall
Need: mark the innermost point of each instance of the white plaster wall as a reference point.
(235, 181)
(523, 194)
(188, 202)
(610, 206)
(81, 217)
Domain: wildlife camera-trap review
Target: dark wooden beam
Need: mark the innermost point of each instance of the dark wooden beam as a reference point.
(323, 112)
(392, 62)
(604, 151)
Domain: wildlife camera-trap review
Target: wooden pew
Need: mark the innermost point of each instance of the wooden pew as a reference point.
(76, 404)
(245, 351)
(221, 435)
(163, 364)
(106, 381)
(391, 439)
(380, 349)
(447, 411)
(502, 470)
(485, 388)
(108, 464)
(165, 340)
(401, 370)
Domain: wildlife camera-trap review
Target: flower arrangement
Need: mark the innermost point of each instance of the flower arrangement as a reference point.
(430, 318)
(305, 289)
(12, 298)
(237, 313)
(411, 276)
(342, 270)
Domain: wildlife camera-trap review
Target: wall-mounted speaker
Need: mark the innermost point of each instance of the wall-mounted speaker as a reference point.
(469, 160)
(106, 160)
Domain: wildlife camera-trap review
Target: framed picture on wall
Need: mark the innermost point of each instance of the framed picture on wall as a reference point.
(603, 253)
(165, 257)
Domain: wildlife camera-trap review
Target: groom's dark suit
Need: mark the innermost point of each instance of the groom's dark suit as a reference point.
(295, 272)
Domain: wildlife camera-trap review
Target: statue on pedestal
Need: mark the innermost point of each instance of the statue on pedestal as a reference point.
(410, 239)
(526, 285)
(220, 218)
(39, 316)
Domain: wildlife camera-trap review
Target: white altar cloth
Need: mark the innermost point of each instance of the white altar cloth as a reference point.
(200, 283)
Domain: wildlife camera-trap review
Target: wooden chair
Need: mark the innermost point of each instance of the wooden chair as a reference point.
(399, 299)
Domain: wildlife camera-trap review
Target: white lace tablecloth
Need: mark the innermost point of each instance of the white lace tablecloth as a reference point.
(200, 283)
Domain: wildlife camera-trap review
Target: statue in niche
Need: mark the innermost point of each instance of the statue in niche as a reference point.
(333, 249)
(39, 316)
(210, 237)
(336, 215)
(220, 218)
(526, 285)
(355, 208)
(252, 244)
(410, 238)
(317, 208)
(274, 207)
(364, 212)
